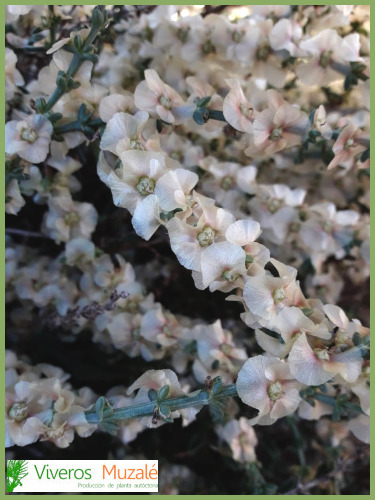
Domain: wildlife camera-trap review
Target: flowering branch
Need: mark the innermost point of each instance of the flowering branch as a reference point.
(159, 407)
(83, 123)
(83, 51)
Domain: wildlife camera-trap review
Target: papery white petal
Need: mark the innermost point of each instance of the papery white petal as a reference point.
(243, 232)
(146, 217)
(305, 365)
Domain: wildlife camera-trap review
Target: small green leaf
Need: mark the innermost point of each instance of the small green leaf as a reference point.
(203, 102)
(164, 411)
(152, 394)
(217, 385)
(110, 427)
(163, 393)
(99, 408)
(199, 116)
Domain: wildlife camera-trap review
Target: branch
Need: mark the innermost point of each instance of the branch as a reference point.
(159, 407)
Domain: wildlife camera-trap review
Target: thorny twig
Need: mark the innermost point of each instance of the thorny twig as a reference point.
(89, 311)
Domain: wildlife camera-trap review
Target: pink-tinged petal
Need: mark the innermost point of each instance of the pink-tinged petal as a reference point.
(286, 114)
(165, 114)
(336, 315)
(243, 232)
(274, 99)
(175, 181)
(220, 257)
(154, 82)
(278, 371)
(272, 346)
(257, 294)
(362, 390)
(252, 383)
(309, 412)
(145, 99)
(246, 179)
(291, 321)
(155, 379)
(286, 405)
(305, 365)
(115, 103)
(348, 364)
(146, 217)
(184, 243)
(120, 126)
(360, 427)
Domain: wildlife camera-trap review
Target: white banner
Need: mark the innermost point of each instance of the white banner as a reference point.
(72, 476)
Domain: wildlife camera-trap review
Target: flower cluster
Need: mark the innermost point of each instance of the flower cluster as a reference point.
(240, 138)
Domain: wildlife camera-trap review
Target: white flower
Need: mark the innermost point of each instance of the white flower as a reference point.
(13, 77)
(214, 344)
(79, 251)
(188, 242)
(286, 34)
(241, 437)
(316, 365)
(222, 266)
(237, 109)
(29, 138)
(174, 187)
(331, 55)
(115, 103)
(124, 132)
(67, 219)
(13, 198)
(267, 385)
(156, 97)
(360, 427)
(266, 295)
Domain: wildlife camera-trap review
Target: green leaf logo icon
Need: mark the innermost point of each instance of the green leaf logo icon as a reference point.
(16, 471)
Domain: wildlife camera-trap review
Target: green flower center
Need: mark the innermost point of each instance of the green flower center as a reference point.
(145, 186)
(273, 206)
(226, 183)
(322, 354)
(278, 295)
(206, 236)
(325, 58)
(263, 53)
(18, 412)
(249, 260)
(190, 201)
(165, 102)
(237, 36)
(182, 34)
(71, 218)
(208, 47)
(366, 372)
(275, 391)
(230, 276)
(226, 349)
(28, 135)
(276, 134)
(245, 111)
(136, 144)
